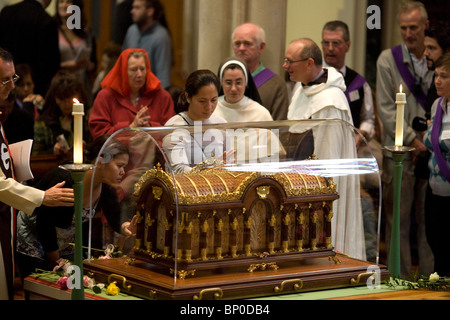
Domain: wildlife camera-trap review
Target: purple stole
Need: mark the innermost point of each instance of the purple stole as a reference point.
(7, 218)
(263, 77)
(356, 84)
(409, 79)
(435, 134)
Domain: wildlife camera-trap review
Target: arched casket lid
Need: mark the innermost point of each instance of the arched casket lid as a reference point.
(216, 184)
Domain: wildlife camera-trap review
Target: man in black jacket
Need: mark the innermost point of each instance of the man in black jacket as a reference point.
(30, 34)
(335, 45)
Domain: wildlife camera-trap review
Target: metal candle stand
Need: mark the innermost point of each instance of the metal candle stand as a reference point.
(78, 172)
(398, 154)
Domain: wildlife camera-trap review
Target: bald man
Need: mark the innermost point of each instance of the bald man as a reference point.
(248, 44)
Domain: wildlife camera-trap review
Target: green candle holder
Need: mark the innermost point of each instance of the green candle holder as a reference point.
(78, 172)
(398, 154)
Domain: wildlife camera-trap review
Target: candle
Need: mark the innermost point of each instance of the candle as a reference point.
(78, 113)
(400, 101)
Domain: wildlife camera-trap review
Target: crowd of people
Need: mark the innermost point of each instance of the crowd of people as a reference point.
(131, 90)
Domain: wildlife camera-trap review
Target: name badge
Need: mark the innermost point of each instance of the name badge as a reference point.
(354, 95)
(445, 135)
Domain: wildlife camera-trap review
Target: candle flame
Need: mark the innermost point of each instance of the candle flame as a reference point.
(401, 88)
(76, 101)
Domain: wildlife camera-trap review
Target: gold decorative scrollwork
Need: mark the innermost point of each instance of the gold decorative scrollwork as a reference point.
(152, 294)
(157, 192)
(297, 285)
(358, 278)
(139, 217)
(205, 226)
(272, 220)
(335, 259)
(234, 224)
(149, 221)
(219, 225)
(263, 192)
(287, 180)
(263, 266)
(120, 278)
(218, 293)
(182, 274)
(330, 216)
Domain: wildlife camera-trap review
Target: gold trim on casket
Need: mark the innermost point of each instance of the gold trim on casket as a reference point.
(215, 217)
(220, 185)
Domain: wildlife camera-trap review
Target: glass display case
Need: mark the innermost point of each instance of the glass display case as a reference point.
(225, 208)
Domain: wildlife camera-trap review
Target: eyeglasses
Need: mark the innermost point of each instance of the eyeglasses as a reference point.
(335, 43)
(13, 79)
(289, 62)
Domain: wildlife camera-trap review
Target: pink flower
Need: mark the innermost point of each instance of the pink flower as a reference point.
(62, 282)
(88, 282)
(60, 263)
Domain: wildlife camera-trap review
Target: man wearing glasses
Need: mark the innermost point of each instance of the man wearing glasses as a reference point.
(325, 87)
(320, 95)
(13, 194)
(335, 45)
(406, 64)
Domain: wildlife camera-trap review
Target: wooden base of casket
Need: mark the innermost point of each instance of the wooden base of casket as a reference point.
(152, 282)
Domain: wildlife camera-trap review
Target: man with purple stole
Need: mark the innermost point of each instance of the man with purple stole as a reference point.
(13, 194)
(335, 45)
(248, 44)
(405, 65)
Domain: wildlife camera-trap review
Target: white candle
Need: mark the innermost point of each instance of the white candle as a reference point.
(78, 113)
(400, 101)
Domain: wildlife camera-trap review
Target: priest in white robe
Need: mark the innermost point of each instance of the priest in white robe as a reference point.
(319, 94)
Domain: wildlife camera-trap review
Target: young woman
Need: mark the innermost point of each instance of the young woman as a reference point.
(196, 106)
(45, 237)
(77, 44)
(198, 101)
(53, 129)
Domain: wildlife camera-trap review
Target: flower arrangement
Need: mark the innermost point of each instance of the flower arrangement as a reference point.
(433, 282)
(64, 271)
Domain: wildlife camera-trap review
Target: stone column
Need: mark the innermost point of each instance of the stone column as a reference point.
(209, 25)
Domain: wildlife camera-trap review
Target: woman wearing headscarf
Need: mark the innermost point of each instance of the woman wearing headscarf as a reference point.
(131, 96)
(239, 100)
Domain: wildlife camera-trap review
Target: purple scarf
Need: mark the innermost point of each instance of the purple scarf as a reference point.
(356, 84)
(407, 76)
(263, 77)
(435, 133)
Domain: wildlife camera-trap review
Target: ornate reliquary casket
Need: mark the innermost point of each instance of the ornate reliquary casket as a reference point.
(232, 219)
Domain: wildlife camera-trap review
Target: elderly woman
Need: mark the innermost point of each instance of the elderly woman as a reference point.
(437, 140)
(131, 96)
(240, 101)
